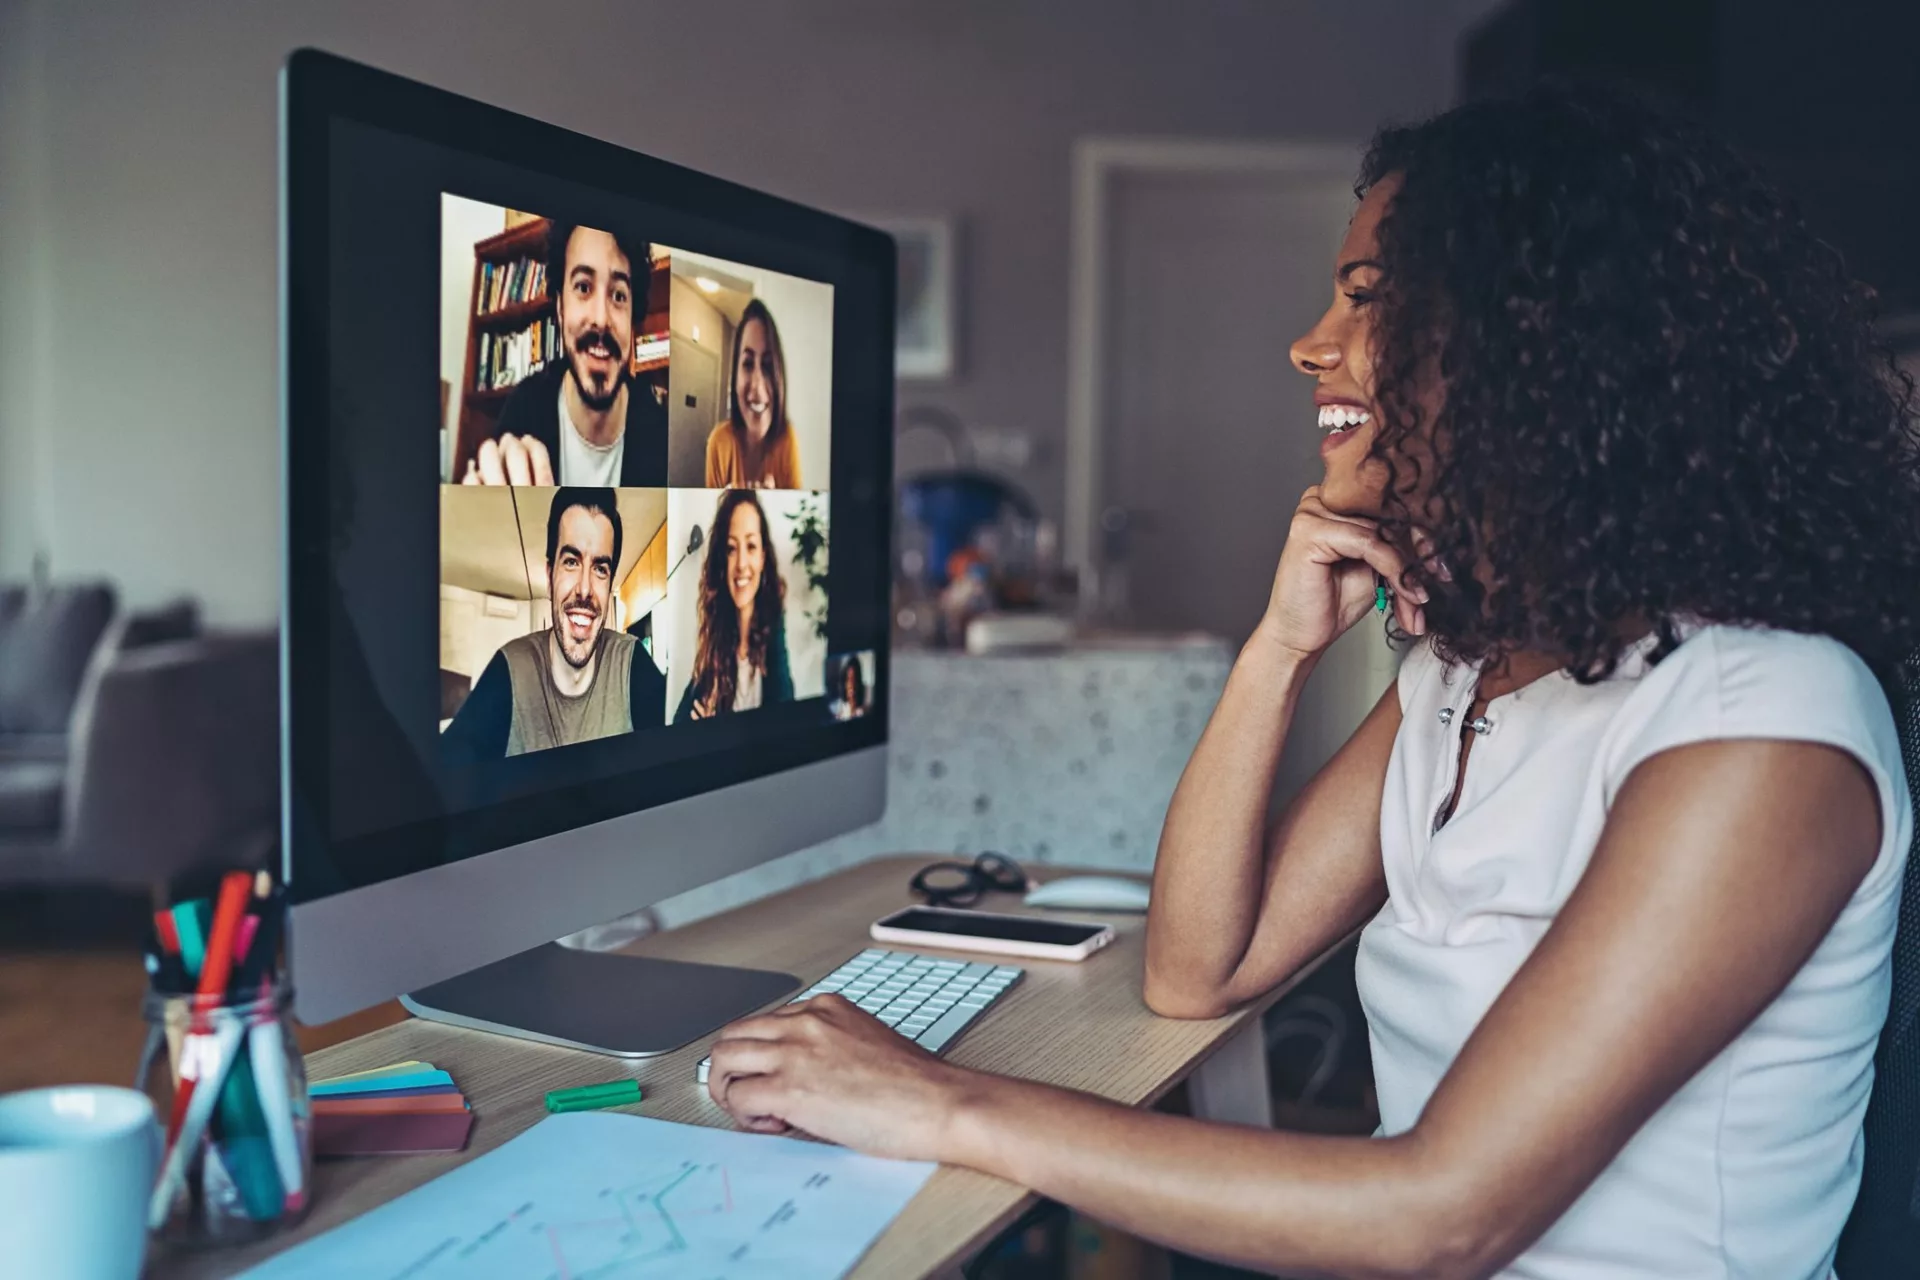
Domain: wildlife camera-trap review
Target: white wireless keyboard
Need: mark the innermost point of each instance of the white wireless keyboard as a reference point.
(926, 999)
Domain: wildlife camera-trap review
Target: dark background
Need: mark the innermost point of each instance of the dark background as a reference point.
(1826, 96)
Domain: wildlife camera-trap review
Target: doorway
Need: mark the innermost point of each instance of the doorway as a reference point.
(1190, 436)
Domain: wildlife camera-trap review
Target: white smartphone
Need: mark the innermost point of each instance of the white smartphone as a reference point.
(1003, 935)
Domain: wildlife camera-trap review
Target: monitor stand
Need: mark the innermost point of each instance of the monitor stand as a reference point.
(627, 1006)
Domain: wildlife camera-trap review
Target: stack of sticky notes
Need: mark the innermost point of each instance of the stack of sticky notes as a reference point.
(403, 1109)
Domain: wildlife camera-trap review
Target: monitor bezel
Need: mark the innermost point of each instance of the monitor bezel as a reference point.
(318, 88)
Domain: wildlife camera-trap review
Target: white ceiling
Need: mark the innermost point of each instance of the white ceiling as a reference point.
(730, 299)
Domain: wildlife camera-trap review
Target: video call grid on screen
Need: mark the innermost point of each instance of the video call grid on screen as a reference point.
(577, 365)
(394, 792)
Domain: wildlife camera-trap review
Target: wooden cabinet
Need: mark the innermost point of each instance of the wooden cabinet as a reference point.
(646, 582)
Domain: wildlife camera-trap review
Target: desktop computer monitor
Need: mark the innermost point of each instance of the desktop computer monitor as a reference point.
(588, 468)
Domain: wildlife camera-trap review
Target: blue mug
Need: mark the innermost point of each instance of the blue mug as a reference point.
(77, 1164)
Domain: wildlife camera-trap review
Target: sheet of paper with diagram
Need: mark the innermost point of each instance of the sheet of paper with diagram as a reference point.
(602, 1195)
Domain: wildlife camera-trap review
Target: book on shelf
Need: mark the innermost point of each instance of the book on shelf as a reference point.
(650, 346)
(509, 284)
(503, 359)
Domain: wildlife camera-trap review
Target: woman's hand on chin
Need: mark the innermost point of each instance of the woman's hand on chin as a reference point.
(1325, 582)
(832, 1070)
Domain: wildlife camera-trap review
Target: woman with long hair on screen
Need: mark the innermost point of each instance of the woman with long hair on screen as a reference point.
(850, 690)
(741, 659)
(754, 448)
(1626, 835)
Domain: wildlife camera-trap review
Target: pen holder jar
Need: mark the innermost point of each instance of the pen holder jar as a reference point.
(239, 1156)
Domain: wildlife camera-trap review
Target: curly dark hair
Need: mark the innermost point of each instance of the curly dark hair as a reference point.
(638, 253)
(1660, 395)
(716, 671)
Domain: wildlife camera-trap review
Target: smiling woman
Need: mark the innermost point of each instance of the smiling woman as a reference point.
(1627, 833)
(746, 609)
(751, 377)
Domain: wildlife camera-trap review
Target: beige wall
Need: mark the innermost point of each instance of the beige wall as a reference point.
(695, 319)
(469, 637)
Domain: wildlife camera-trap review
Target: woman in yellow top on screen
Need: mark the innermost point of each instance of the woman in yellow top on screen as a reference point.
(754, 448)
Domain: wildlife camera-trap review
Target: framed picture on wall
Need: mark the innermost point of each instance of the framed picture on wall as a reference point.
(926, 338)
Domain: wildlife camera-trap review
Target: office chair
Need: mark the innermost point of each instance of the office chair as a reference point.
(1882, 1236)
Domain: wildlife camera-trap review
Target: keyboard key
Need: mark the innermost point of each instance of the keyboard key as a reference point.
(936, 1037)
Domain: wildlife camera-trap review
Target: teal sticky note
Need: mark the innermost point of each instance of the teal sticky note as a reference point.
(347, 1088)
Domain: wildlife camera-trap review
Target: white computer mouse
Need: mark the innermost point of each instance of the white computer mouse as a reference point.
(1090, 893)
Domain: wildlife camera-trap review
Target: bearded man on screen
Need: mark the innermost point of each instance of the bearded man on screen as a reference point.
(583, 420)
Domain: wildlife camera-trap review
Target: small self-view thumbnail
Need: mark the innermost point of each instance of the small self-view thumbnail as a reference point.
(850, 684)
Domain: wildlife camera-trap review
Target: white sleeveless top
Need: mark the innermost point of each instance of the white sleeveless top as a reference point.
(1751, 1169)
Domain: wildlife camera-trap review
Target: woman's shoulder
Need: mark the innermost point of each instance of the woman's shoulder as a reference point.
(721, 437)
(1738, 671)
(1721, 680)
(1733, 681)
(1726, 681)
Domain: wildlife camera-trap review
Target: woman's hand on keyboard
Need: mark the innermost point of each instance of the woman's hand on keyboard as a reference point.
(828, 1068)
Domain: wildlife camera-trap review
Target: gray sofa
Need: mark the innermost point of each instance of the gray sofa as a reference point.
(134, 747)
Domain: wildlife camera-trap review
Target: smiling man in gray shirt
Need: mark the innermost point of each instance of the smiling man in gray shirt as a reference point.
(577, 678)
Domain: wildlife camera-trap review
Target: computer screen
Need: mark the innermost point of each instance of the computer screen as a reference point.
(588, 478)
(636, 504)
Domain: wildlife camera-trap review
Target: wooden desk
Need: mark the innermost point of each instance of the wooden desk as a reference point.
(1082, 1026)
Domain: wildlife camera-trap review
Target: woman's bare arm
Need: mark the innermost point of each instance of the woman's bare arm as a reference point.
(1237, 908)
(1653, 966)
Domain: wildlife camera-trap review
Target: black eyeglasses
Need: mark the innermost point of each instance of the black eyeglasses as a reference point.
(960, 884)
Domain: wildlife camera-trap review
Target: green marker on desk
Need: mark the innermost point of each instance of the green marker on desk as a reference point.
(592, 1097)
